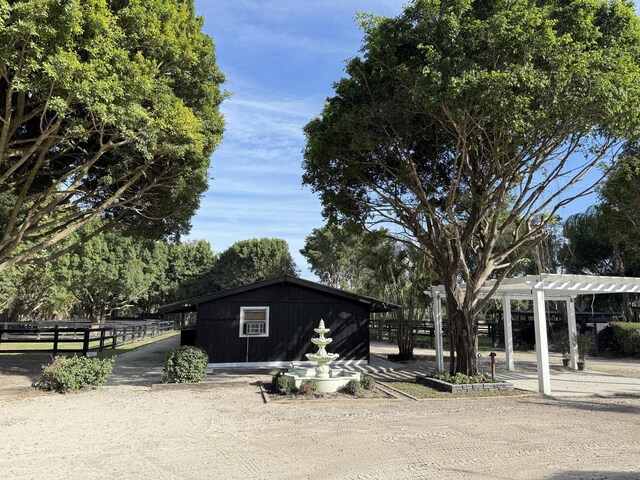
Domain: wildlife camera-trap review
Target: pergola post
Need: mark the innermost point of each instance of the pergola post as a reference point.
(437, 329)
(542, 346)
(508, 334)
(573, 332)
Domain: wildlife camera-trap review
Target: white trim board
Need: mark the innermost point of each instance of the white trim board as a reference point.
(342, 363)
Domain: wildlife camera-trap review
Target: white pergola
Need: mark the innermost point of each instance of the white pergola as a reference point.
(539, 288)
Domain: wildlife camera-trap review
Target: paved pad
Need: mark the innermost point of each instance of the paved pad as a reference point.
(576, 384)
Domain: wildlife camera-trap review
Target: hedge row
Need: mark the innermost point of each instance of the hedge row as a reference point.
(627, 338)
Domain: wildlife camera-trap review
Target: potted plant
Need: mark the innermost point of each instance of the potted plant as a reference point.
(585, 342)
(563, 345)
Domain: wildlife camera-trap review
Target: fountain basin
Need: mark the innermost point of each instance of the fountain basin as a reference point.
(337, 379)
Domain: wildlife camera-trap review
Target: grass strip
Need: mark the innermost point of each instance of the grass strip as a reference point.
(422, 391)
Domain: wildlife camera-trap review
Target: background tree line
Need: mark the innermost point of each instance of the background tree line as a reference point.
(120, 275)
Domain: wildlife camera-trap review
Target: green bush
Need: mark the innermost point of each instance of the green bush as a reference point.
(368, 382)
(353, 387)
(69, 374)
(185, 365)
(627, 337)
(280, 384)
(307, 387)
(462, 379)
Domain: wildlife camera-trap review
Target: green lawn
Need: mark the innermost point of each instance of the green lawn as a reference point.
(107, 353)
(421, 391)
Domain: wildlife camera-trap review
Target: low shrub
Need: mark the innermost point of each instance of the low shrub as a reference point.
(368, 382)
(353, 387)
(462, 379)
(307, 387)
(185, 365)
(627, 337)
(69, 374)
(282, 385)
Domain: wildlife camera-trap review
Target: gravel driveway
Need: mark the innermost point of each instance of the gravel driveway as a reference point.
(227, 432)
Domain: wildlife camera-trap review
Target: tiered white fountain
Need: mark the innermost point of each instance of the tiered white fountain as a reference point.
(325, 379)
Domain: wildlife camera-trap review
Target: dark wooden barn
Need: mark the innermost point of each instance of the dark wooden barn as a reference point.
(271, 322)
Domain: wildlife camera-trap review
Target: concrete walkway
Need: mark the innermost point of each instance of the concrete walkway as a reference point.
(570, 383)
(143, 366)
(564, 382)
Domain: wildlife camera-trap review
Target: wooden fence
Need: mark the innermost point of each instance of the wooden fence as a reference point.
(84, 336)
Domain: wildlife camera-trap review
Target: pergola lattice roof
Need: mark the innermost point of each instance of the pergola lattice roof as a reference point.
(559, 285)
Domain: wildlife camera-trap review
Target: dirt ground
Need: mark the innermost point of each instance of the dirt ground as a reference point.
(224, 430)
(227, 432)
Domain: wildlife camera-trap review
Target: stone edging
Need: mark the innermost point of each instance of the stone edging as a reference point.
(469, 387)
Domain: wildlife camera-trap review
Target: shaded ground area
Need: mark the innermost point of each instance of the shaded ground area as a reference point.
(21, 369)
(135, 367)
(228, 432)
(143, 366)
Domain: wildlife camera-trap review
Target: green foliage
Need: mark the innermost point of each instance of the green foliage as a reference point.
(353, 387)
(627, 337)
(111, 111)
(185, 365)
(280, 384)
(69, 374)
(585, 342)
(112, 272)
(249, 261)
(337, 255)
(307, 387)
(457, 123)
(368, 382)
(374, 264)
(462, 379)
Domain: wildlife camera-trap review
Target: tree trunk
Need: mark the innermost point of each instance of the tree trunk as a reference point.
(620, 269)
(463, 335)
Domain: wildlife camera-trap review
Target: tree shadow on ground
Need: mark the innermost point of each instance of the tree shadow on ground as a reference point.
(593, 404)
(595, 475)
(27, 365)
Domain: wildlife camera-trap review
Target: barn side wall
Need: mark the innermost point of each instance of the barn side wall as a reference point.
(294, 312)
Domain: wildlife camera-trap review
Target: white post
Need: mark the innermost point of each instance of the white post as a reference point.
(542, 346)
(437, 329)
(573, 332)
(508, 334)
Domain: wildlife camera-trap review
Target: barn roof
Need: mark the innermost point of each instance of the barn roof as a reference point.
(191, 305)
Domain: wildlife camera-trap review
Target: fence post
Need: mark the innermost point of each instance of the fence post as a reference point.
(55, 339)
(102, 332)
(114, 340)
(85, 342)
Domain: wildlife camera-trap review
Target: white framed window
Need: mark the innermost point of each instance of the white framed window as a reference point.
(254, 321)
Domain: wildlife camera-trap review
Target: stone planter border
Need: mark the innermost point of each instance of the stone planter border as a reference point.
(468, 387)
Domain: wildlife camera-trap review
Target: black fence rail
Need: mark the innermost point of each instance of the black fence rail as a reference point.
(386, 330)
(79, 337)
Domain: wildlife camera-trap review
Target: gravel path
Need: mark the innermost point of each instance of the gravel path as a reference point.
(229, 433)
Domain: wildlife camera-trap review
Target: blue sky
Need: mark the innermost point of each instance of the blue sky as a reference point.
(280, 59)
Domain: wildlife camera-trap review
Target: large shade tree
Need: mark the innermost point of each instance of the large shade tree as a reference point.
(468, 124)
(249, 261)
(108, 110)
